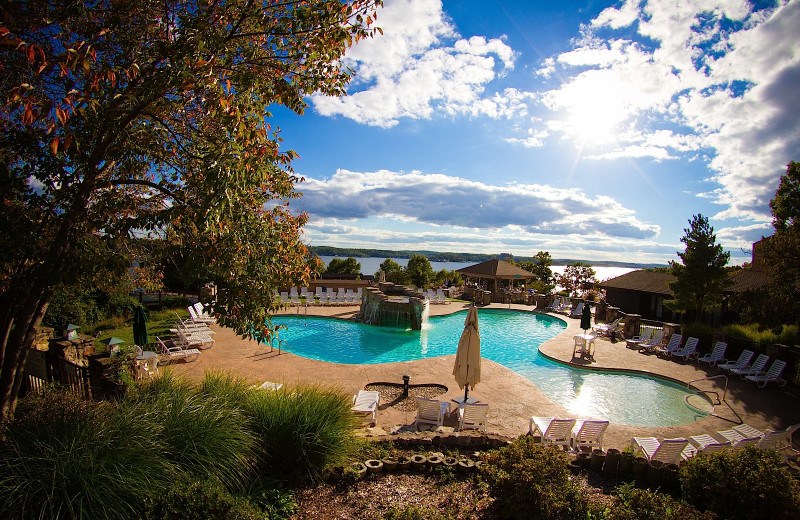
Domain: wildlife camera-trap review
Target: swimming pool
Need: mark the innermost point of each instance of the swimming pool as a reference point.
(510, 338)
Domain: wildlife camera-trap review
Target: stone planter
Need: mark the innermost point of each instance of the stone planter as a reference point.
(596, 460)
(584, 459)
(434, 461)
(374, 466)
(640, 470)
(655, 474)
(359, 468)
(465, 465)
(450, 462)
(389, 464)
(574, 466)
(625, 467)
(418, 462)
(612, 461)
(403, 463)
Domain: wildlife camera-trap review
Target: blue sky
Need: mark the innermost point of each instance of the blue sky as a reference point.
(588, 129)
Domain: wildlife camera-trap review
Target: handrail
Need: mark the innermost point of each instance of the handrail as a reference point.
(724, 393)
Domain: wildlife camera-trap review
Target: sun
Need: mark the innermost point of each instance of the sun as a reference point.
(595, 109)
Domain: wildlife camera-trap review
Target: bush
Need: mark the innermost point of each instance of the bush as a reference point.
(531, 480)
(204, 435)
(64, 457)
(414, 513)
(175, 302)
(200, 500)
(741, 484)
(643, 504)
(300, 433)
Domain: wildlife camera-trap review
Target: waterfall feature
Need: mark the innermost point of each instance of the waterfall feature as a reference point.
(393, 306)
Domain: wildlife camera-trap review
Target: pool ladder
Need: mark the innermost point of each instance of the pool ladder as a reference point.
(282, 345)
(716, 401)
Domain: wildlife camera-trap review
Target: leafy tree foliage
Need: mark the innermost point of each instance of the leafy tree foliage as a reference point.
(443, 276)
(701, 277)
(782, 250)
(540, 266)
(419, 270)
(393, 272)
(348, 265)
(577, 279)
(134, 117)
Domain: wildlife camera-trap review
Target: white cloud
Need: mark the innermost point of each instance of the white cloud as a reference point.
(421, 66)
(710, 75)
(446, 201)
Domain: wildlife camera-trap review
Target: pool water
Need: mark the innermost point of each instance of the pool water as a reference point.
(510, 338)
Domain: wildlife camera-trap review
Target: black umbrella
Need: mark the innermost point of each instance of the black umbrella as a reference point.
(586, 318)
(140, 336)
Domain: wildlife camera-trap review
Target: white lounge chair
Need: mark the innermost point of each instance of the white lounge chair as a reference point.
(557, 432)
(440, 296)
(473, 416)
(668, 451)
(588, 434)
(653, 343)
(757, 367)
(744, 359)
(430, 411)
(366, 402)
(175, 353)
(605, 329)
(689, 350)
(636, 341)
(673, 345)
(203, 313)
(199, 319)
(577, 311)
(185, 340)
(780, 441)
(741, 436)
(771, 375)
(704, 444)
(717, 354)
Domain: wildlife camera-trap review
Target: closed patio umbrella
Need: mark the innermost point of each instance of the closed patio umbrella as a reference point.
(467, 369)
(140, 336)
(586, 318)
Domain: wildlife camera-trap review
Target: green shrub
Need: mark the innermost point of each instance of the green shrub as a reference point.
(204, 435)
(302, 432)
(643, 504)
(741, 484)
(200, 500)
(175, 302)
(783, 334)
(64, 457)
(531, 480)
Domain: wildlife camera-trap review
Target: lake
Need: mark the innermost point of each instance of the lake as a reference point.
(370, 265)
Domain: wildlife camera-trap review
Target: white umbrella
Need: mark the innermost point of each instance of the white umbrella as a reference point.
(467, 369)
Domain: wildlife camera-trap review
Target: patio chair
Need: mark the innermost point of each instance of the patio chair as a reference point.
(653, 343)
(555, 305)
(430, 411)
(604, 329)
(773, 374)
(689, 350)
(741, 436)
(780, 441)
(577, 311)
(717, 354)
(175, 353)
(588, 434)
(744, 359)
(757, 367)
(557, 432)
(668, 451)
(635, 341)
(366, 402)
(673, 345)
(473, 416)
(705, 443)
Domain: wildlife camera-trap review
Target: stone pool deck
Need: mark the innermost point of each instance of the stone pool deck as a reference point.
(512, 398)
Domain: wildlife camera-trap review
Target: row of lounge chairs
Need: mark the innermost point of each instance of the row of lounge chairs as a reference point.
(571, 434)
(429, 411)
(563, 305)
(434, 295)
(319, 297)
(673, 451)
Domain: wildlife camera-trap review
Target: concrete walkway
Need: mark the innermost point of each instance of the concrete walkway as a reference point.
(512, 398)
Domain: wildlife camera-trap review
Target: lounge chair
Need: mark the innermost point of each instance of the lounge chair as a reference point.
(672, 346)
(440, 296)
(175, 353)
(689, 350)
(473, 416)
(430, 411)
(635, 341)
(757, 367)
(605, 329)
(268, 385)
(717, 354)
(668, 451)
(773, 374)
(199, 319)
(366, 402)
(741, 436)
(200, 341)
(588, 434)
(577, 311)
(555, 305)
(557, 432)
(203, 313)
(706, 444)
(653, 343)
(744, 359)
(780, 441)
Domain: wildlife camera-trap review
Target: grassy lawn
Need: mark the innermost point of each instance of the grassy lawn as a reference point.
(158, 324)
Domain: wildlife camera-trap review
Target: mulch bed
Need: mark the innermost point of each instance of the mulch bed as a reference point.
(392, 395)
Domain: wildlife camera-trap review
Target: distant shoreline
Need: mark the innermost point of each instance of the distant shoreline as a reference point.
(437, 256)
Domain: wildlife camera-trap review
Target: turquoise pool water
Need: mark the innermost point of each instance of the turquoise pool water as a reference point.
(509, 338)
